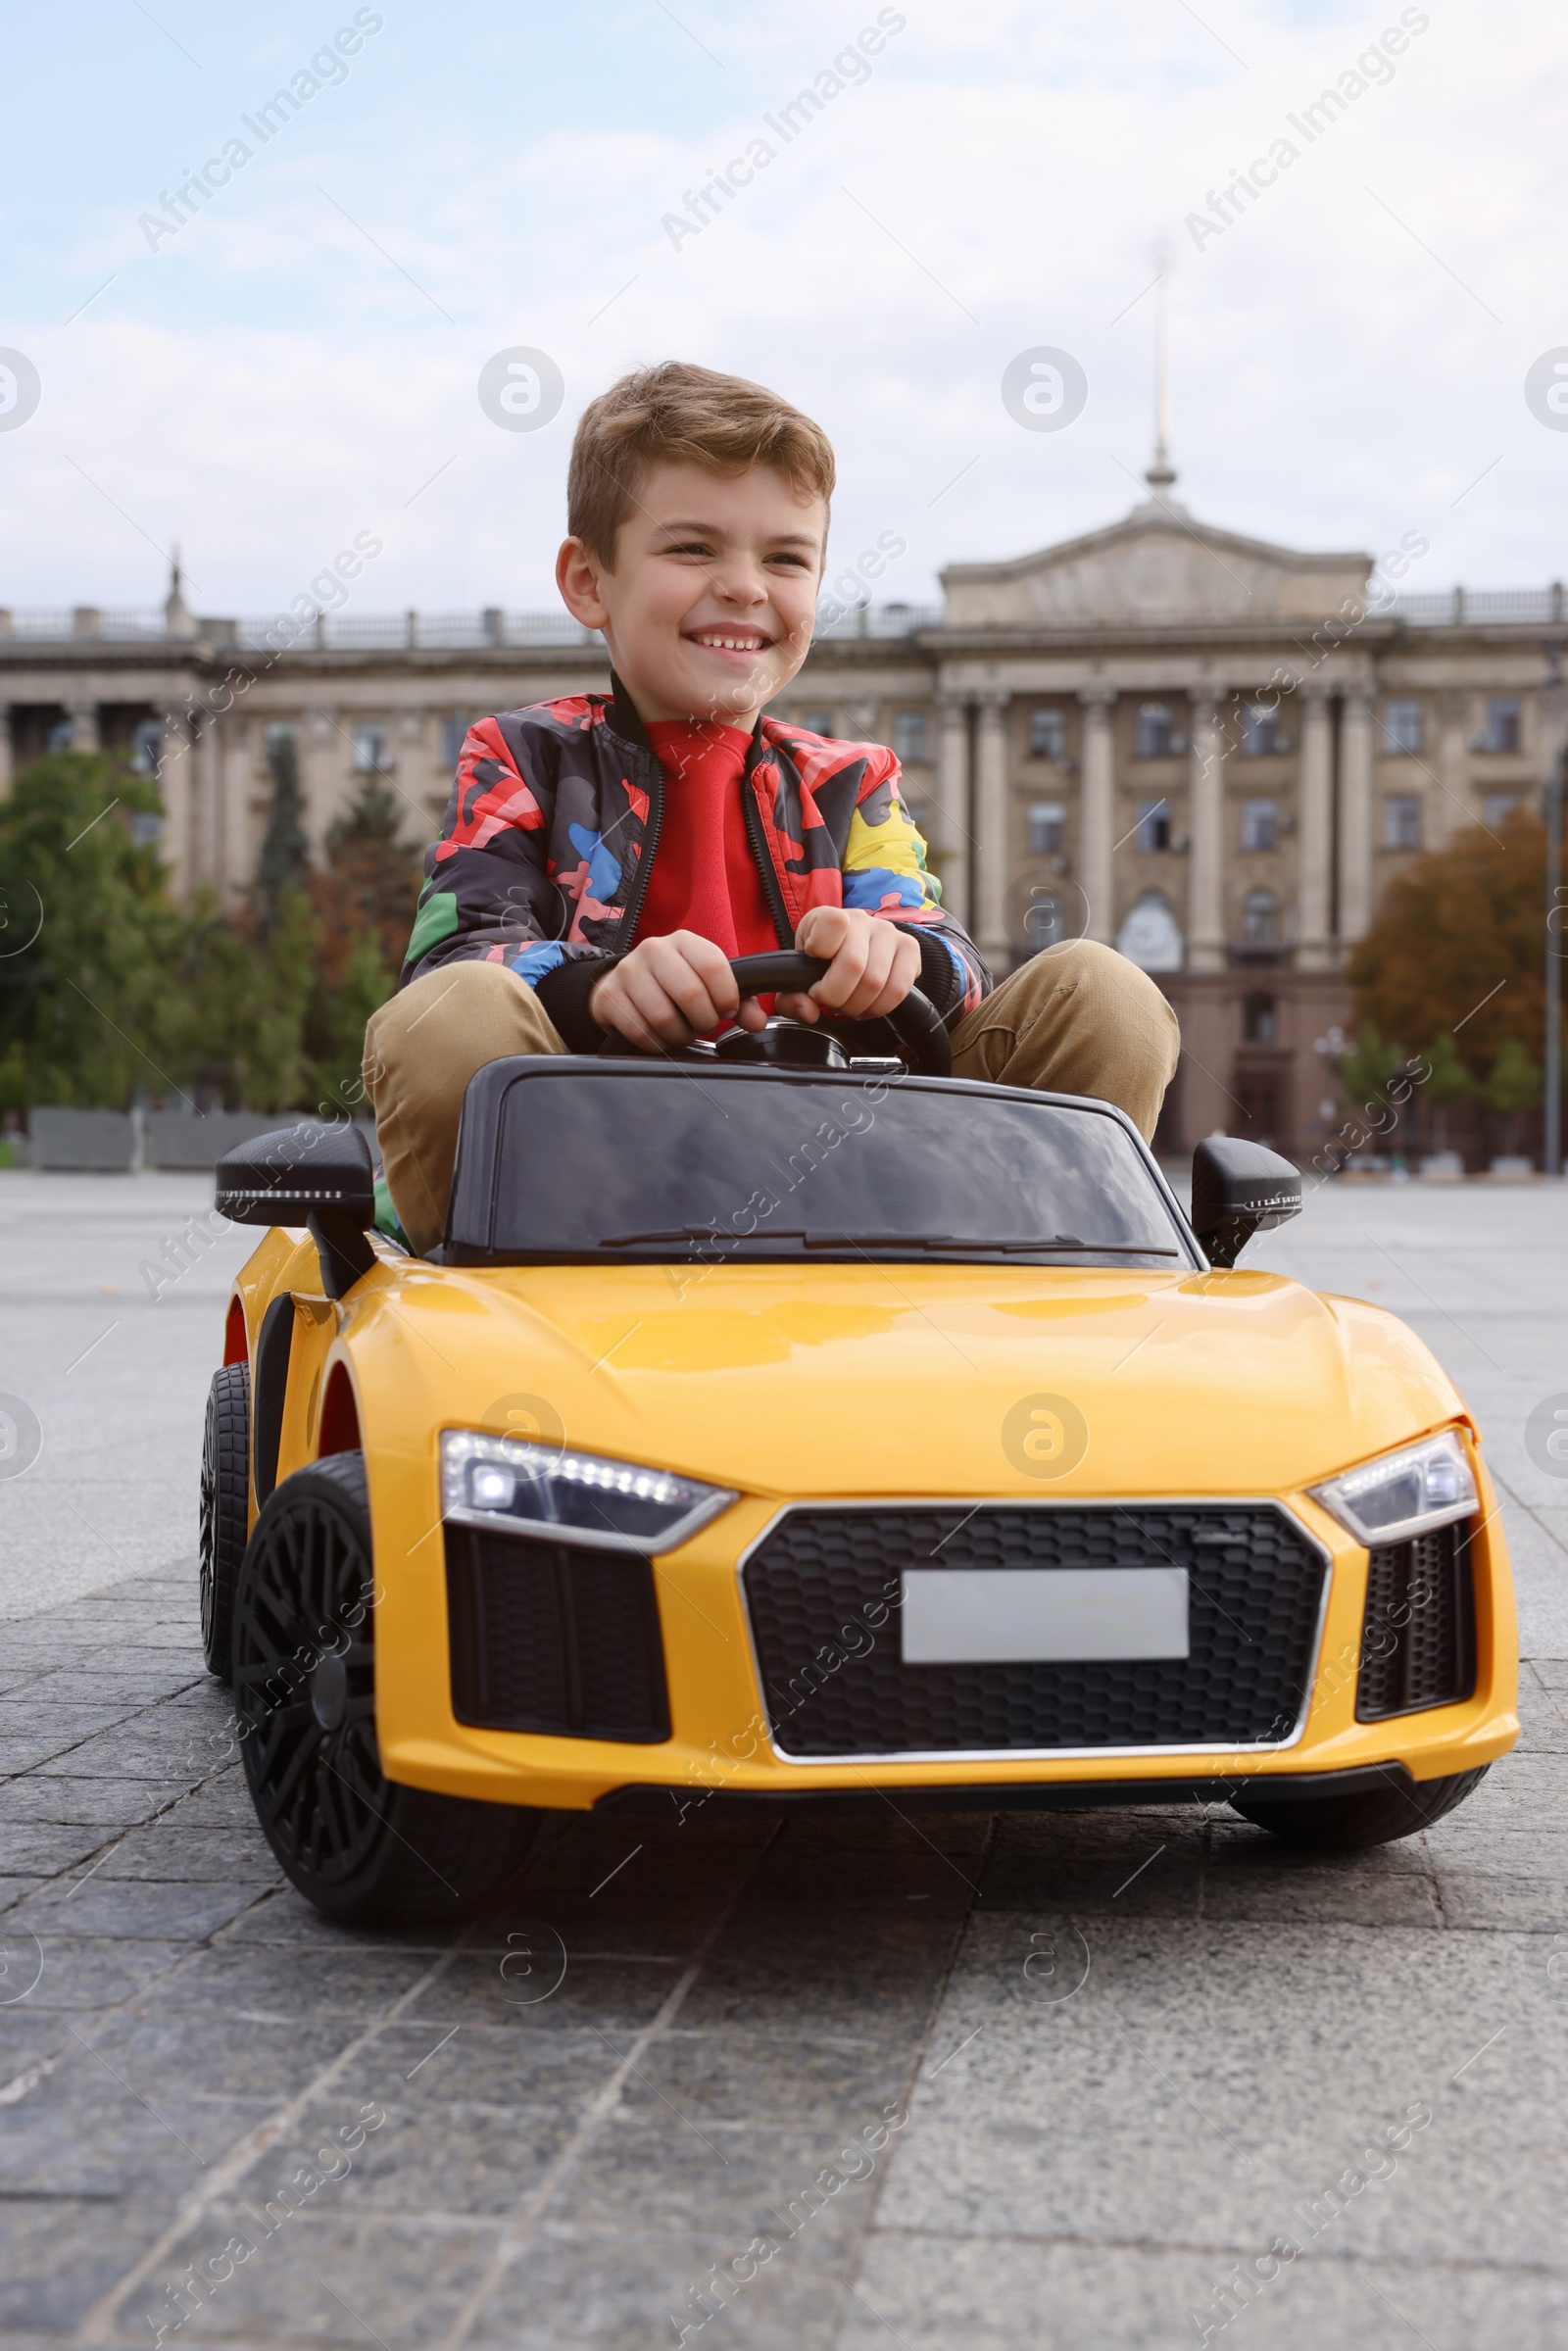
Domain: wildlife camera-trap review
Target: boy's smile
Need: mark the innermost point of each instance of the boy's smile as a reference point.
(707, 609)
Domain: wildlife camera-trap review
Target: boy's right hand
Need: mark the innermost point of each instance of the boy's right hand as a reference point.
(668, 991)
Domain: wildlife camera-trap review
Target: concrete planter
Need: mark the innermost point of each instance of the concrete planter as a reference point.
(101, 1142)
(179, 1138)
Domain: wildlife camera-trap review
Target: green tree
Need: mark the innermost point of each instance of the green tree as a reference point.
(284, 862)
(244, 993)
(371, 874)
(337, 1023)
(1511, 1085)
(91, 939)
(1449, 1082)
(1365, 1070)
(365, 899)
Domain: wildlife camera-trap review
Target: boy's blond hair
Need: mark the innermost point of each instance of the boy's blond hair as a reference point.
(690, 416)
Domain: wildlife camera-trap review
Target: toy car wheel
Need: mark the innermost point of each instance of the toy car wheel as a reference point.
(363, 1850)
(1344, 1823)
(224, 1508)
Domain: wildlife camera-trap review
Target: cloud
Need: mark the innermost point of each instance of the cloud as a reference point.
(292, 370)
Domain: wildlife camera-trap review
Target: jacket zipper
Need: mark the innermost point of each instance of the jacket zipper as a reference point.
(758, 838)
(645, 863)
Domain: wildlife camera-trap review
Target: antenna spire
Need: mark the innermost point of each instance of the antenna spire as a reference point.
(1161, 474)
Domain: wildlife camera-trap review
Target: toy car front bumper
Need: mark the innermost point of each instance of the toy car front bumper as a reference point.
(728, 1736)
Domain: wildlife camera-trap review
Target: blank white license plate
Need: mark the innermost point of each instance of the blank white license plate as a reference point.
(1043, 1615)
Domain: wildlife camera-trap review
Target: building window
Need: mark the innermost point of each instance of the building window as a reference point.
(454, 734)
(1260, 919)
(1153, 824)
(1402, 821)
(61, 736)
(279, 731)
(1503, 724)
(147, 748)
(1260, 729)
(146, 828)
(369, 749)
(1042, 921)
(1048, 735)
(1048, 826)
(1260, 1021)
(1497, 808)
(915, 810)
(1261, 823)
(1154, 730)
(1150, 937)
(1401, 729)
(909, 738)
(817, 722)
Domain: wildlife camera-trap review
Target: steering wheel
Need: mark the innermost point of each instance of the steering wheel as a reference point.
(919, 1028)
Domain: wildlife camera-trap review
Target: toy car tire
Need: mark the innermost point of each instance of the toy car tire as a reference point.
(225, 1500)
(1344, 1823)
(363, 1850)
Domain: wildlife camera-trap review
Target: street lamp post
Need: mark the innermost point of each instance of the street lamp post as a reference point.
(1552, 1139)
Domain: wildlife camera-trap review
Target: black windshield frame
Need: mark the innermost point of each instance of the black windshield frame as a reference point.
(480, 1188)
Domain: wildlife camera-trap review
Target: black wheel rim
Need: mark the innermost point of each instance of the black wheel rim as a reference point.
(208, 1550)
(304, 1596)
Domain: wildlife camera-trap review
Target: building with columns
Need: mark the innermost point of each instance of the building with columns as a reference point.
(1208, 751)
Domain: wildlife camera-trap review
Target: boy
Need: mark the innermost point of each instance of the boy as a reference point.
(603, 858)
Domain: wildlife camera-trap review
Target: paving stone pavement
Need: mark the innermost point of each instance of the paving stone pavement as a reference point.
(1102, 2059)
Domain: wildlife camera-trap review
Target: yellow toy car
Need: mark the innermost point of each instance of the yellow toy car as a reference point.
(785, 1424)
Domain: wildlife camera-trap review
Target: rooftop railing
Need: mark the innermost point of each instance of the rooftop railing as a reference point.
(493, 627)
(1454, 607)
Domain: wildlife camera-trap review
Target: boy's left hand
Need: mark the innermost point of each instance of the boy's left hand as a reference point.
(874, 965)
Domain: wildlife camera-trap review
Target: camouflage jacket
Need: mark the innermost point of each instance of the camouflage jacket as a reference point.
(552, 825)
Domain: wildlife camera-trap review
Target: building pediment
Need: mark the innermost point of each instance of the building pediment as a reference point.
(1157, 569)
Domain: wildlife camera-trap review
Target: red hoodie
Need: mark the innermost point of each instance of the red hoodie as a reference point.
(703, 877)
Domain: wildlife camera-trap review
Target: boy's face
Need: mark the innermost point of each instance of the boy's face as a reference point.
(707, 611)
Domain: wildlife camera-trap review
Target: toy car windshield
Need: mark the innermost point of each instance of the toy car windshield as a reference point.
(668, 1163)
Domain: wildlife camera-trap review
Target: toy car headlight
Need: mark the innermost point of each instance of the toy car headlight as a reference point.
(503, 1482)
(1404, 1494)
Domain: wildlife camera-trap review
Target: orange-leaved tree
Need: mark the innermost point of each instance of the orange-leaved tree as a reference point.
(1459, 949)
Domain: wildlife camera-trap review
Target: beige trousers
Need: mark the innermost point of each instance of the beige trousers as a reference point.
(1076, 1019)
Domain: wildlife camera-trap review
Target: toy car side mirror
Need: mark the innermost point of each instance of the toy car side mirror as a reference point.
(1239, 1189)
(317, 1176)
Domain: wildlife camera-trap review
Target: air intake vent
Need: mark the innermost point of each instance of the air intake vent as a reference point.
(1418, 1639)
(545, 1638)
(821, 1576)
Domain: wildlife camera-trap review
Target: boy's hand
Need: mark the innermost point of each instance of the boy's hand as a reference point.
(874, 965)
(668, 991)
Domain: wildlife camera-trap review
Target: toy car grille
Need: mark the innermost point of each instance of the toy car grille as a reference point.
(825, 1583)
(1418, 1644)
(547, 1637)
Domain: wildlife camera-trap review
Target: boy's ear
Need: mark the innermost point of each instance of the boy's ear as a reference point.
(577, 578)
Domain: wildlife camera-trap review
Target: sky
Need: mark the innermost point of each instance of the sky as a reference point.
(299, 359)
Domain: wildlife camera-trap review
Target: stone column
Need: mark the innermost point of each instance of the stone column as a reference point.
(1097, 814)
(183, 831)
(235, 757)
(326, 758)
(1553, 731)
(1451, 803)
(953, 804)
(1206, 875)
(83, 716)
(210, 756)
(1355, 816)
(1314, 836)
(991, 832)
